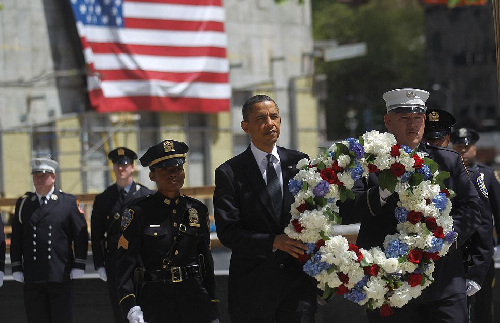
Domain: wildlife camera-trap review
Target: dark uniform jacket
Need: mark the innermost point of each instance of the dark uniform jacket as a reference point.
(106, 219)
(167, 236)
(449, 275)
(245, 220)
(478, 250)
(47, 242)
(2, 247)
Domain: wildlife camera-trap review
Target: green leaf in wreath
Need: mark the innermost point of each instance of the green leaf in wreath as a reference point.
(433, 166)
(387, 180)
(328, 293)
(304, 186)
(332, 269)
(321, 165)
(346, 194)
(338, 218)
(321, 201)
(310, 201)
(415, 179)
(324, 236)
(439, 179)
(341, 149)
(364, 263)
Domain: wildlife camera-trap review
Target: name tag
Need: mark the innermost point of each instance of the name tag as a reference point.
(154, 225)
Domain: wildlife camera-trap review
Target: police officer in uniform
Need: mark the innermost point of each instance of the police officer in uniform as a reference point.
(464, 141)
(48, 246)
(2, 253)
(445, 299)
(106, 219)
(168, 234)
(478, 250)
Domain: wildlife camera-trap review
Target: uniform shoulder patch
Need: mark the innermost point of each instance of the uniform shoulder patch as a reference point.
(481, 185)
(127, 217)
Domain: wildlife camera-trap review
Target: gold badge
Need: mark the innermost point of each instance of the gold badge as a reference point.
(168, 146)
(166, 201)
(194, 221)
(121, 152)
(434, 116)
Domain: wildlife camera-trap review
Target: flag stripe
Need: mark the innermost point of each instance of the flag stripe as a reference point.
(106, 48)
(100, 34)
(217, 3)
(114, 75)
(173, 12)
(139, 23)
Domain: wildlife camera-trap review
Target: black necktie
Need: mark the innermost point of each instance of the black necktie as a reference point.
(123, 194)
(273, 186)
(43, 201)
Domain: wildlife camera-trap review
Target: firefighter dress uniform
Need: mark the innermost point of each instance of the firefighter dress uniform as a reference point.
(165, 245)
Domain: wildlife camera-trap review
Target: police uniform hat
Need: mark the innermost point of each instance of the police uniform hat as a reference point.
(438, 123)
(43, 165)
(167, 153)
(122, 156)
(464, 136)
(406, 100)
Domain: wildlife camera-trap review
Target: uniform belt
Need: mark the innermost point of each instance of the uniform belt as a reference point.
(173, 274)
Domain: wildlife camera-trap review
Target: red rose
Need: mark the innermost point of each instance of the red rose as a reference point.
(438, 233)
(428, 201)
(386, 310)
(371, 270)
(395, 150)
(297, 226)
(320, 243)
(430, 223)
(342, 289)
(430, 255)
(419, 162)
(397, 169)
(329, 175)
(343, 277)
(414, 279)
(301, 208)
(373, 169)
(353, 247)
(336, 167)
(415, 255)
(445, 191)
(414, 217)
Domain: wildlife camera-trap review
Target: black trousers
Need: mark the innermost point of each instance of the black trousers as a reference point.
(452, 309)
(113, 288)
(481, 303)
(48, 302)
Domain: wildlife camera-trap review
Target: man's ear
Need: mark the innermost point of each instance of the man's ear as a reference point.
(152, 176)
(387, 121)
(244, 126)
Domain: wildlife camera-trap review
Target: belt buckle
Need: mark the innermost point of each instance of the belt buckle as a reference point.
(176, 274)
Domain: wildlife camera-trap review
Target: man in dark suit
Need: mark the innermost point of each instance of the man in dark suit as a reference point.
(444, 300)
(48, 246)
(252, 208)
(464, 141)
(478, 250)
(106, 219)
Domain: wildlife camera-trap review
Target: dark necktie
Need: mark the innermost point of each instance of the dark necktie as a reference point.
(273, 186)
(123, 195)
(43, 201)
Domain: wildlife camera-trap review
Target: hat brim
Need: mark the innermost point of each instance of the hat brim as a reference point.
(123, 160)
(463, 141)
(407, 109)
(436, 134)
(42, 171)
(172, 162)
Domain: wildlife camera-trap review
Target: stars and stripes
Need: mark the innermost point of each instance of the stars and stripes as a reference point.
(157, 55)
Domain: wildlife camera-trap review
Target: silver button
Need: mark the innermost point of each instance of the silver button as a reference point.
(34, 228)
(50, 234)
(34, 235)
(34, 243)
(50, 227)
(50, 242)
(34, 250)
(49, 257)
(49, 249)
(34, 257)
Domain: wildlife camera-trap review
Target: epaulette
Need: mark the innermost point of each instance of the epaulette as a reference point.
(427, 146)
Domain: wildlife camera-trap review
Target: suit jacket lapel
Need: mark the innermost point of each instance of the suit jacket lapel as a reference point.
(254, 176)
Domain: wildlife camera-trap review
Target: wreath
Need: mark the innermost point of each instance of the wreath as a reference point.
(385, 277)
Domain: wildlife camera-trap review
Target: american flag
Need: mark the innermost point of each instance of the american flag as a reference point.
(156, 55)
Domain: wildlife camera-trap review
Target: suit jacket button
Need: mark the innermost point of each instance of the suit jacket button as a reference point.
(281, 266)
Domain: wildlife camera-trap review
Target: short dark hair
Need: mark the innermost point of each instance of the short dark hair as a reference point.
(255, 99)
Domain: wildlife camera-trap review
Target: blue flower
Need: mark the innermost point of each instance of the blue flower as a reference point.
(396, 248)
(437, 245)
(425, 171)
(440, 201)
(310, 248)
(294, 186)
(450, 237)
(406, 177)
(321, 189)
(314, 265)
(357, 294)
(354, 145)
(401, 214)
(356, 172)
(331, 154)
(406, 149)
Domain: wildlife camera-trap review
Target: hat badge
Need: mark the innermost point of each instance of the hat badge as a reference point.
(168, 146)
(121, 152)
(434, 116)
(462, 132)
(410, 94)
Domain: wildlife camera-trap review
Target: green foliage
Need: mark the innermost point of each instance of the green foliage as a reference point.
(387, 180)
(394, 34)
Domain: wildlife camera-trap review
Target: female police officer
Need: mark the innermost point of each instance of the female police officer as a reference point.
(167, 236)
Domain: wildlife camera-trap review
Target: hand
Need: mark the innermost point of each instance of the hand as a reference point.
(135, 315)
(102, 273)
(471, 287)
(18, 276)
(1, 278)
(384, 194)
(496, 255)
(76, 273)
(291, 246)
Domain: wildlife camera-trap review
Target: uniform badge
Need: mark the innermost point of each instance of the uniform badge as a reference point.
(54, 197)
(123, 243)
(116, 216)
(121, 152)
(194, 221)
(410, 94)
(462, 132)
(482, 186)
(127, 217)
(434, 116)
(168, 146)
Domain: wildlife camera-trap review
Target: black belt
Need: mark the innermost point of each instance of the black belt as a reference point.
(173, 274)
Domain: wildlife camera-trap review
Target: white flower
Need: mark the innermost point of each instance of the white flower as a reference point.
(303, 163)
(344, 161)
(390, 265)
